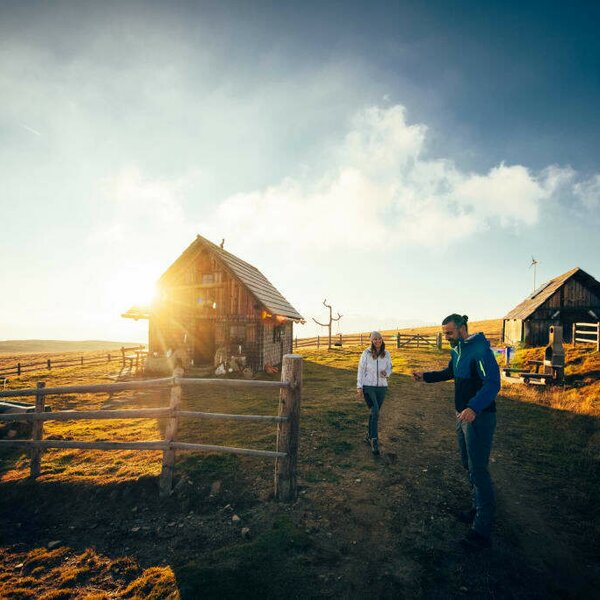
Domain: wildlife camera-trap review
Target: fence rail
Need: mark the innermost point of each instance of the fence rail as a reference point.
(591, 331)
(124, 355)
(287, 421)
(400, 340)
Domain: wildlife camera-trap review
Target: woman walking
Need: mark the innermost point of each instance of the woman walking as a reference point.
(374, 368)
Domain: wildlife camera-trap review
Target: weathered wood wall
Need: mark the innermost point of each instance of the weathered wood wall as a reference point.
(204, 308)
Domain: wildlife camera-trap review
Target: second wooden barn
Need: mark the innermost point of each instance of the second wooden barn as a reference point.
(213, 307)
(569, 298)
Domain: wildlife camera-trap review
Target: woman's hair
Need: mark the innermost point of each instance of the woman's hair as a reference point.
(458, 320)
(376, 334)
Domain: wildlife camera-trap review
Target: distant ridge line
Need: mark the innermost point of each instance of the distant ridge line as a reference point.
(51, 346)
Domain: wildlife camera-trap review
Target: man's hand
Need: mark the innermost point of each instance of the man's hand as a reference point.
(383, 373)
(467, 416)
(417, 375)
(358, 393)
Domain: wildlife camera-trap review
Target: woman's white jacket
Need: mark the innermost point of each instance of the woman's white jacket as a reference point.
(369, 369)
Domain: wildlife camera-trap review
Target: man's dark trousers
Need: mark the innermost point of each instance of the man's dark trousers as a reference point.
(475, 444)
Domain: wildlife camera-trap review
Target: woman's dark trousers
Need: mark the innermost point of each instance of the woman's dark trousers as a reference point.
(374, 397)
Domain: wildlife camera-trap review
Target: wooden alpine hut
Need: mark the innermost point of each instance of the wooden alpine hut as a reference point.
(569, 298)
(214, 308)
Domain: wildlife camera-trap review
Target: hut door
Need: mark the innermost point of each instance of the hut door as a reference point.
(204, 342)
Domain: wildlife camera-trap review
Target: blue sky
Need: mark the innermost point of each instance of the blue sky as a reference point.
(403, 160)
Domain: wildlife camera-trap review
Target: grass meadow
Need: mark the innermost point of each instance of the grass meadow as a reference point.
(93, 526)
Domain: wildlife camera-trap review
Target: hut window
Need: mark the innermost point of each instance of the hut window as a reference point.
(208, 278)
(277, 333)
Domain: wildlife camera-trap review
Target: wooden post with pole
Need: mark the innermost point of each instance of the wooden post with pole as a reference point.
(37, 432)
(288, 432)
(168, 463)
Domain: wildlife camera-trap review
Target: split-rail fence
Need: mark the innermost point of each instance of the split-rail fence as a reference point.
(401, 340)
(287, 420)
(132, 357)
(586, 333)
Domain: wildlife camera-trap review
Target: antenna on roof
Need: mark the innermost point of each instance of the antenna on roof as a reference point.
(534, 264)
(222, 243)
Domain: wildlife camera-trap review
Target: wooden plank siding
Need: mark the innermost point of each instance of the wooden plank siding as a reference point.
(209, 299)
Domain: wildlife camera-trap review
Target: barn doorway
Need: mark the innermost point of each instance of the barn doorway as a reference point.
(203, 351)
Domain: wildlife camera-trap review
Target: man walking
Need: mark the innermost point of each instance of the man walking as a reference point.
(476, 384)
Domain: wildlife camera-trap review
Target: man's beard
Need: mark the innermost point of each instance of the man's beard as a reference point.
(453, 343)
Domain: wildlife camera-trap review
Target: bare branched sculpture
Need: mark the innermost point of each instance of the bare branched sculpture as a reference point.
(331, 320)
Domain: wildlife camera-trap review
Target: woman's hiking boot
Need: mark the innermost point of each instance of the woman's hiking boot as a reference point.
(375, 446)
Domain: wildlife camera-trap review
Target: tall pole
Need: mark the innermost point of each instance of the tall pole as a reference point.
(331, 320)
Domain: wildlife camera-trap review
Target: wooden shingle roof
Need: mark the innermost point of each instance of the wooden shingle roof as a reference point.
(542, 293)
(250, 277)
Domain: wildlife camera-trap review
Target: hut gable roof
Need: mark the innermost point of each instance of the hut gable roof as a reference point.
(546, 290)
(260, 287)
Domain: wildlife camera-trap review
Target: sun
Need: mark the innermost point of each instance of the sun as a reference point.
(129, 289)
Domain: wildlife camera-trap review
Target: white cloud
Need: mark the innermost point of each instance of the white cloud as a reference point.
(588, 191)
(380, 184)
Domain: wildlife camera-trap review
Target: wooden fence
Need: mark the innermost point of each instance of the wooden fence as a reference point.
(131, 356)
(400, 340)
(586, 333)
(288, 422)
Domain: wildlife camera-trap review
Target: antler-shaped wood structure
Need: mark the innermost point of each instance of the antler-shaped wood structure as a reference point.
(331, 320)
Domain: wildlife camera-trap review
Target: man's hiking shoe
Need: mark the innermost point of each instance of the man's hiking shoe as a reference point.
(367, 438)
(475, 541)
(375, 446)
(467, 516)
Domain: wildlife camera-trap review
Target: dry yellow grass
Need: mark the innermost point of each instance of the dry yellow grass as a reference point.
(581, 391)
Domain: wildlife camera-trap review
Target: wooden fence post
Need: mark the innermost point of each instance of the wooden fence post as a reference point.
(288, 432)
(82, 361)
(318, 340)
(18, 368)
(439, 340)
(598, 336)
(37, 432)
(123, 355)
(397, 340)
(49, 363)
(574, 329)
(168, 463)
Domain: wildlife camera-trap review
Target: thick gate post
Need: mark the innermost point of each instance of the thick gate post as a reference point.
(168, 463)
(37, 432)
(288, 432)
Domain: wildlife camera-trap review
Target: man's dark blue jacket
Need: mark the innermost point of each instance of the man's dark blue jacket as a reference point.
(475, 372)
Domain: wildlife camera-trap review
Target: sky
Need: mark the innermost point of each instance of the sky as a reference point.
(402, 160)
